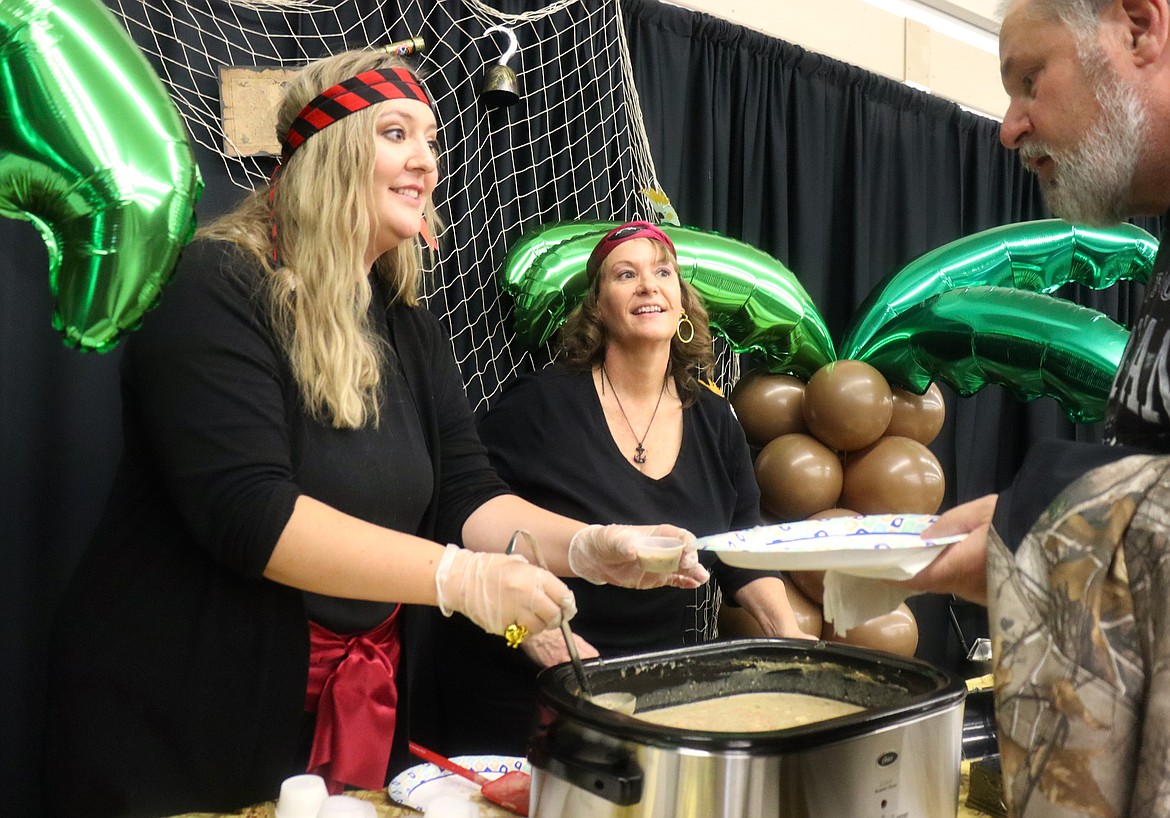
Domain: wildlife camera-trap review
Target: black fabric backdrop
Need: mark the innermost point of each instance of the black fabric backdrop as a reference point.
(846, 176)
(842, 175)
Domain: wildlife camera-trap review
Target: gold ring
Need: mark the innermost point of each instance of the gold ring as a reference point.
(515, 634)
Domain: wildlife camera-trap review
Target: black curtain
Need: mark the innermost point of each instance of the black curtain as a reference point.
(842, 175)
(845, 176)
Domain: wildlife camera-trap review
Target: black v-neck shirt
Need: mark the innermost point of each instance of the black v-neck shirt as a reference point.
(548, 438)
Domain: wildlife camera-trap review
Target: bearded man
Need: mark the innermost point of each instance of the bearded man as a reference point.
(1075, 566)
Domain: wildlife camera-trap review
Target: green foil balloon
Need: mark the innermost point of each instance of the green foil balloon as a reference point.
(544, 272)
(94, 153)
(1037, 256)
(753, 300)
(1033, 344)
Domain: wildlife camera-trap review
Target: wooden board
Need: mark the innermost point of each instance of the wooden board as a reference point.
(249, 98)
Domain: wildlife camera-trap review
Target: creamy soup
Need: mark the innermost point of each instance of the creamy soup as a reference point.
(749, 712)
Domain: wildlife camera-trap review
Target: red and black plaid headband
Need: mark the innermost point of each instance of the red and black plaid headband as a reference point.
(621, 234)
(366, 89)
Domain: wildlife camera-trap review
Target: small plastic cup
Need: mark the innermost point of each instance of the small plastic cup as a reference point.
(659, 555)
(451, 806)
(301, 796)
(346, 806)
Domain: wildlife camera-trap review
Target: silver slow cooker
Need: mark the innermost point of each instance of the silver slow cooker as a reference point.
(899, 758)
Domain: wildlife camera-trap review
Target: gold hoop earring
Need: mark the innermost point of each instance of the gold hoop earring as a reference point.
(683, 319)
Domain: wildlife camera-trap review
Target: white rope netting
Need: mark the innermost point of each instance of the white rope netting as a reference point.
(573, 147)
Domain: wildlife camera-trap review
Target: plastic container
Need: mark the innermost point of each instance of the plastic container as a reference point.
(659, 555)
(451, 806)
(301, 796)
(346, 806)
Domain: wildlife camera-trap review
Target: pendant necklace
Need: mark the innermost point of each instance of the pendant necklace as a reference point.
(640, 455)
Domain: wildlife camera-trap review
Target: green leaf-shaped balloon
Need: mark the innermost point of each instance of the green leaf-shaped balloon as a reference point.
(94, 153)
(1033, 344)
(1037, 256)
(753, 300)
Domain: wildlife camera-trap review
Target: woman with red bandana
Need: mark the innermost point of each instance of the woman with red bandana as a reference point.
(297, 443)
(621, 429)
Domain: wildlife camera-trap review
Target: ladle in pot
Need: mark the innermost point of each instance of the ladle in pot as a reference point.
(618, 701)
(570, 643)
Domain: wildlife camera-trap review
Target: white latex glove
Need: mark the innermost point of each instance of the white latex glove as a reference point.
(497, 590)
(548, 649)
(608, 554)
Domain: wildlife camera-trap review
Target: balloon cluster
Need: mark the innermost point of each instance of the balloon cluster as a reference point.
(846, 442)
(976, 311)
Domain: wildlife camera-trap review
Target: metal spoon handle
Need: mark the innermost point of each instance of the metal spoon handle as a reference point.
(570, 642)
(575, 658)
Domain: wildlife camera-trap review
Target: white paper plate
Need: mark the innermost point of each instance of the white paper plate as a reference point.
(419, 785)
(863, 544)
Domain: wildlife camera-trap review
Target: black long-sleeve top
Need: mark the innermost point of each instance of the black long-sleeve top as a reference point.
(179, 672)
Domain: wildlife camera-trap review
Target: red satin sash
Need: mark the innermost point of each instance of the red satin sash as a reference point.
(353, 691)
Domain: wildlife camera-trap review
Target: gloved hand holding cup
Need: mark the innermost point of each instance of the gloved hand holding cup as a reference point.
(609, 554)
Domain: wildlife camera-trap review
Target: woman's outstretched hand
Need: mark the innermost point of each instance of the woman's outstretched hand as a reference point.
(608, 554)
(548, 649)
(497, 590)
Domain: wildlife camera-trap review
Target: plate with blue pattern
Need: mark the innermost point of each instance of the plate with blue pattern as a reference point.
(421, 784)
(868, 544)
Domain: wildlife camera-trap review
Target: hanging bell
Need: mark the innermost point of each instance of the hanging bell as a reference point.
(501, 86)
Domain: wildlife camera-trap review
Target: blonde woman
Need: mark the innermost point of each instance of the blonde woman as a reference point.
(297, 445)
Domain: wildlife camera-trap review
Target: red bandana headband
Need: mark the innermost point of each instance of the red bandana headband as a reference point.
(620, 235)
(348, 97)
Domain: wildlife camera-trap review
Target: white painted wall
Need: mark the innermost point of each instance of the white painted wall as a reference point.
(947, 47)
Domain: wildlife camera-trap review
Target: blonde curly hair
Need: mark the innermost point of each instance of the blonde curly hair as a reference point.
(319, 293)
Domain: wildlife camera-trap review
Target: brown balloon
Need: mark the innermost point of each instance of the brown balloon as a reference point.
(768, 406)
(918, 417)
(829, 513)
(811, 585)
(847, 405)
(894, 632)
(896, 475)
(798, 476)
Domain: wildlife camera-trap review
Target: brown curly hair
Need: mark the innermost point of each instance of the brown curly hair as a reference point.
(583, 338)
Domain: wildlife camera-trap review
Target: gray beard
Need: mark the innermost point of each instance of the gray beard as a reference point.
(1091, 182)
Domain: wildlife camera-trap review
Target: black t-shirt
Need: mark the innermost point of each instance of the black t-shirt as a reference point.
(548, 439)
(1139, 402)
